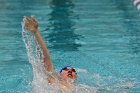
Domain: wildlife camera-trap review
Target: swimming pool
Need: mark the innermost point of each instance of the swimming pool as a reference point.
(99, 38)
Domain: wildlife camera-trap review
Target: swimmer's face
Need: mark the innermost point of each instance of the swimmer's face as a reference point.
(68, 73)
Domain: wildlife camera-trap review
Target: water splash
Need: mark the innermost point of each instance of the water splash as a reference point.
(35, 55)
(41, 85)
(113, 84)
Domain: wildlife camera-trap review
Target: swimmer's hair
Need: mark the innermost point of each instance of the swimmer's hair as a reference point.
(64, 68)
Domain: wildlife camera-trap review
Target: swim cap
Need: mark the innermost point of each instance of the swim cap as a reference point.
(64, 68)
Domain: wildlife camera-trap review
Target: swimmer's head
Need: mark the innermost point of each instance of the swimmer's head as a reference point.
(68, 73)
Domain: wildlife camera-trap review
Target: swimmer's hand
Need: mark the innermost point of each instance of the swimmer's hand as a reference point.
(30, 24)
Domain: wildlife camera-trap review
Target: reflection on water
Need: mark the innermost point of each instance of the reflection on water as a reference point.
(61, 26)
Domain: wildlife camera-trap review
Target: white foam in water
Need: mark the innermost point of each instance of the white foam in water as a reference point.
(41, 85)
(81, 70)
(119, 85)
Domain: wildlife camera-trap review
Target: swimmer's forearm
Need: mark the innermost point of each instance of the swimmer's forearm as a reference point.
(32, 25)
(47, 59)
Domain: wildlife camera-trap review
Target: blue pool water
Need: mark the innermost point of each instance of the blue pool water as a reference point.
(100, 38)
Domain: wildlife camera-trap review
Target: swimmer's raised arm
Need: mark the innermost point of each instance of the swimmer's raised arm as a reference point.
(32, 25)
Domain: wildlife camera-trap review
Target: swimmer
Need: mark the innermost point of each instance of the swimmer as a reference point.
(67, 75)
